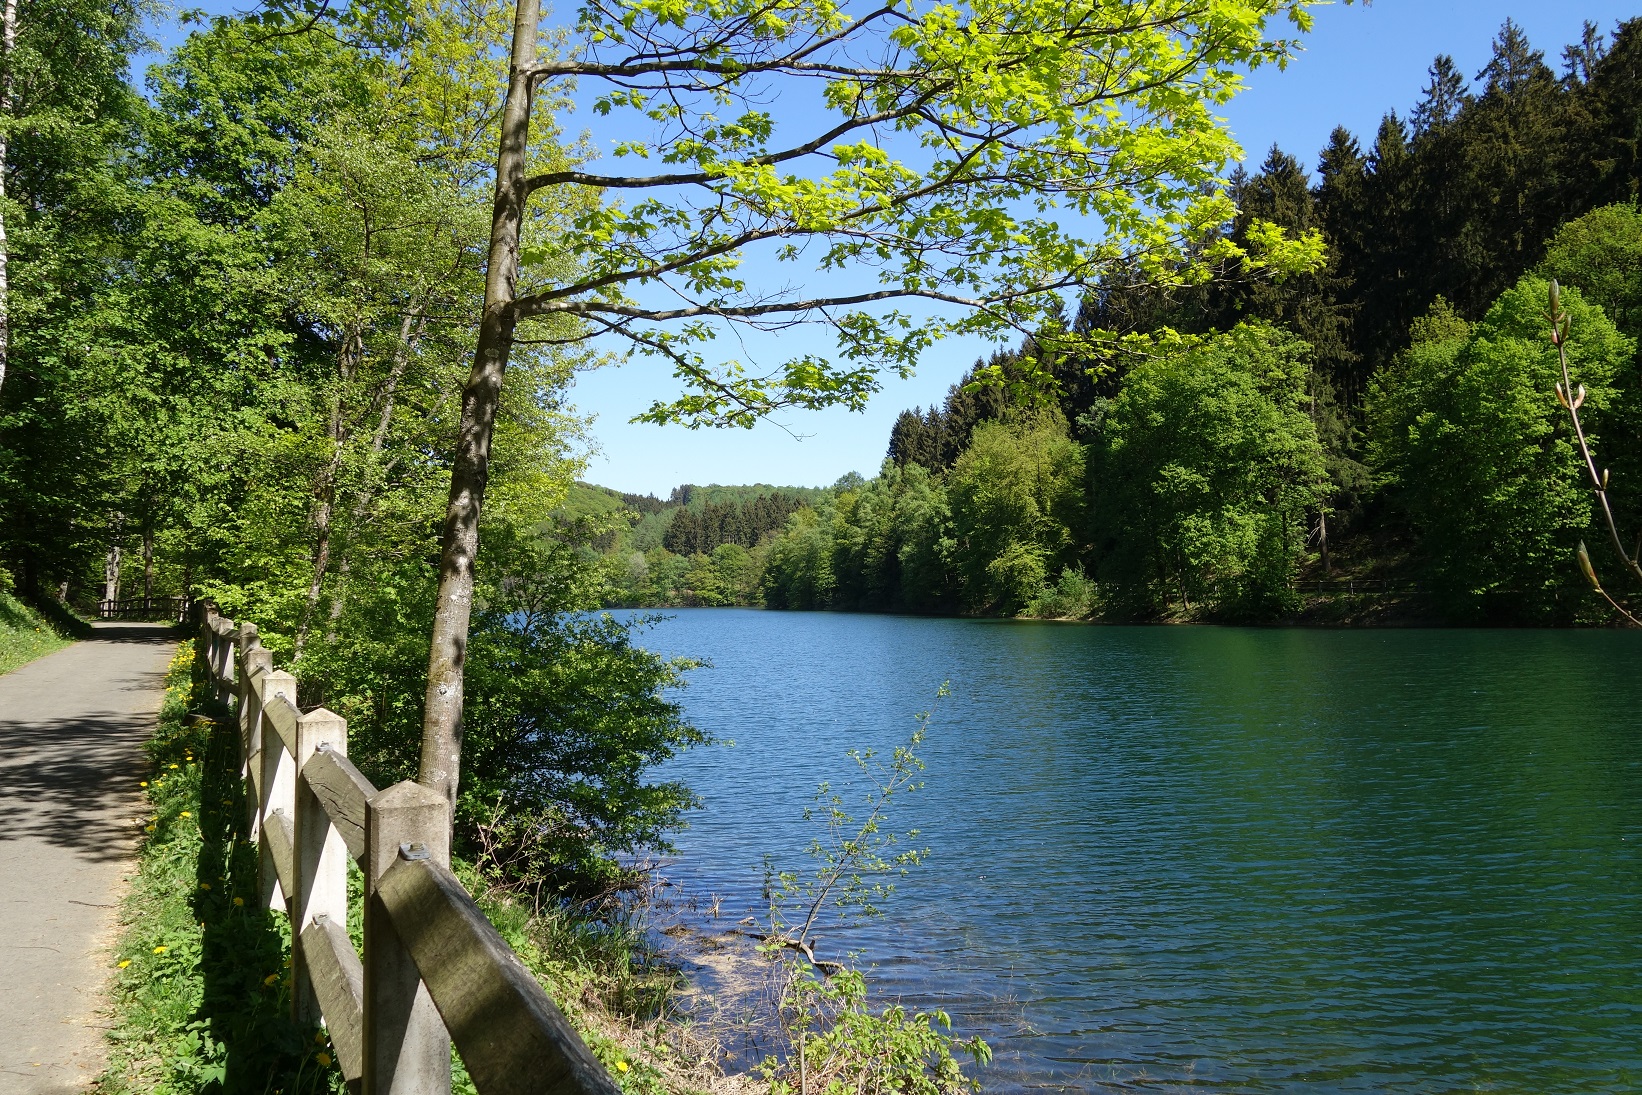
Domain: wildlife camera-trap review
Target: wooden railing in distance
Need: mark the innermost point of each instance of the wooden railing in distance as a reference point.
(174, 609)
(434, 970)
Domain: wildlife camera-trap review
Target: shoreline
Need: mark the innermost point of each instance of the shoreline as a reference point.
(1384, 616)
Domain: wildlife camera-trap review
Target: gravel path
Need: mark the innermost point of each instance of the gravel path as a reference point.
(71, 729)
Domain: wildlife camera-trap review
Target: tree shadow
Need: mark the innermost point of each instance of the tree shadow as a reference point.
(246, 1004)
(72, 782)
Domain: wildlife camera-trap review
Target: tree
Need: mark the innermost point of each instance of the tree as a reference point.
(1016, 495)
(1476, 454)
(1014, 108)
(1445, 96)
(1202, 475)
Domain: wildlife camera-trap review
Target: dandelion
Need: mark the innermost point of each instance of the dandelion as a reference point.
(144, 783)
(621, 1066)
(125, 963)
(324, 1059)
(173, 766)
(270, 979)
(205, 885)
(185, 813)
(160, 950)
(319, 1038)
(239, 902)
(149, 829)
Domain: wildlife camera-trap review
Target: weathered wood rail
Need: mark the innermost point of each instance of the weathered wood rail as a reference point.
(433, 970)
(175, 609)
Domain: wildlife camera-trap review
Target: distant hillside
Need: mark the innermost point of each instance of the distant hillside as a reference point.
(714, 514)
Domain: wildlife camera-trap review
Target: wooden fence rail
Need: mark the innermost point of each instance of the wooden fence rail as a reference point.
(175, 609)
(434, 970)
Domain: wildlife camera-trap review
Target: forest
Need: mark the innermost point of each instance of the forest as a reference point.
(1199, 452)
(289, 319)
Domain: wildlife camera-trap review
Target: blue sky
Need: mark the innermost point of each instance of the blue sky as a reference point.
(1358, 63)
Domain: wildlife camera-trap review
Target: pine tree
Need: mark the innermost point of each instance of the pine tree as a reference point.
(1445, 96)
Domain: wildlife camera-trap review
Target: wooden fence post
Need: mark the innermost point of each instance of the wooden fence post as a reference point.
(321, 868)
(278, 784)
(257, 661)
(407, 1049)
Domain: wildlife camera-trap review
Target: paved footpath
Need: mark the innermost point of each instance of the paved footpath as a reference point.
(71, 731)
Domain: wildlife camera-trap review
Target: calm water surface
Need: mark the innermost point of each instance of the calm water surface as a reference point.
(1236, 860)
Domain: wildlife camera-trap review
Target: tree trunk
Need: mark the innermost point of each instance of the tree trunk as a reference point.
(442, 714)
(111, 573)
(8, 46)
(148, 562)
(348, 360)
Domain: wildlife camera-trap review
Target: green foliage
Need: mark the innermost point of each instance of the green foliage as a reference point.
(1600, 254)
(24, 633)
(565, 715)
(201, 995)
(1016, 496)
(1204, 471)
(1477, 454)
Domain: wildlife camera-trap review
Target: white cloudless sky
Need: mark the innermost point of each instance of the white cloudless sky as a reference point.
(1359, 62)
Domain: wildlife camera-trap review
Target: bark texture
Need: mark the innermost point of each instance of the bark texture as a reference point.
(442, 714)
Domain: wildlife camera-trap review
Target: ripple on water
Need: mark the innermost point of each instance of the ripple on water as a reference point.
(1200, 858)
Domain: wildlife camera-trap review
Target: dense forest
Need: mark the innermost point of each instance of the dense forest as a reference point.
(242, 310)
(1198, 451)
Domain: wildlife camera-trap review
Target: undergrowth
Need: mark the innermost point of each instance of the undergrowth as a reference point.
(26, 634)
(201, 996)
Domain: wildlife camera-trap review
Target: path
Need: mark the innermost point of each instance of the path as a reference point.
(71, 731)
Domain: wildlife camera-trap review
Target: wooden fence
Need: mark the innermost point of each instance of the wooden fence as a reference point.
(175, 609)
(433, 969)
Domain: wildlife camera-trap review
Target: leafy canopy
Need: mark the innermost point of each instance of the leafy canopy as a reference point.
(898, 171)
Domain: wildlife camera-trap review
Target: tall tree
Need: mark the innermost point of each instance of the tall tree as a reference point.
(1015, 107)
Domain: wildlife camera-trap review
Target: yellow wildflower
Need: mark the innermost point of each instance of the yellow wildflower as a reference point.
(324, 1059)
(239, 902)
(270, 979)
(621, 1066)
(205, 885)
(125, 963)
(319, 1037)
(185, 813)
(149, 829)
(160, 950)
(144, 783)
(173, 766)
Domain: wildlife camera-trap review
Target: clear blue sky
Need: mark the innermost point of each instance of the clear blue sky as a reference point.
(1359, 63)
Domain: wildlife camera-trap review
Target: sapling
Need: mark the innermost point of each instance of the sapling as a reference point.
(836, 1043)
(1572, 399)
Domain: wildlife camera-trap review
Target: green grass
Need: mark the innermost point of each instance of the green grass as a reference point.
(201, 994)
(25, 634)
(200, 997)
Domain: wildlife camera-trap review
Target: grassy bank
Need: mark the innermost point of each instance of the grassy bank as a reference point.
(200, 998)
(26, 634)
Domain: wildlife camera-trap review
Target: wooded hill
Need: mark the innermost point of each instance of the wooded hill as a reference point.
(1196, 449)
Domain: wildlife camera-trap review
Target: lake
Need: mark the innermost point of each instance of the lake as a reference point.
(1239, 860)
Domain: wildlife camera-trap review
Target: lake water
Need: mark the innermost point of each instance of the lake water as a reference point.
(1213, 858)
